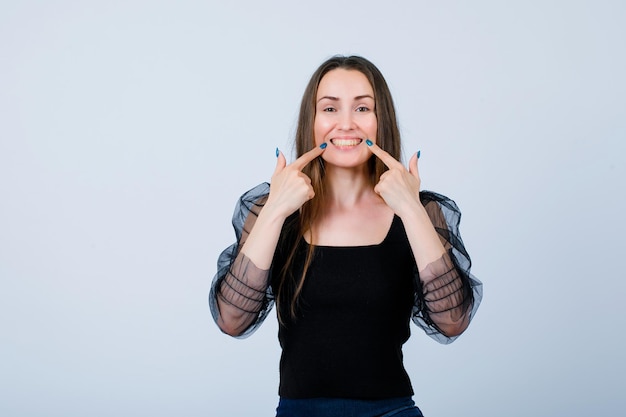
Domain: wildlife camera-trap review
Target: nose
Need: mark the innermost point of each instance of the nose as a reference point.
(346, 121)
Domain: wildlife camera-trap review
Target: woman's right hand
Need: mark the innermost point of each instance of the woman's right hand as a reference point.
(290, 188)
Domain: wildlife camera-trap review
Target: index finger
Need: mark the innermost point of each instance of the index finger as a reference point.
(387, 159)
(307, 157)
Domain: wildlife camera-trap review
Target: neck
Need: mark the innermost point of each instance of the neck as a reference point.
(346, 187)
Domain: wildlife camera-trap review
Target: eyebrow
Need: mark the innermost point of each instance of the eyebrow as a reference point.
(337, 98)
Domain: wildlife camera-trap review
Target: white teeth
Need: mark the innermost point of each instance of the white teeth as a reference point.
(346, 142)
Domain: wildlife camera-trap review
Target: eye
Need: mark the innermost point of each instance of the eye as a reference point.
(362, 109)
(329, 109)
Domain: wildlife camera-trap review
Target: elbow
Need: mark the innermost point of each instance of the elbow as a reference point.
(229, 330)
(452, 330)
(230, 327)
(229, 321)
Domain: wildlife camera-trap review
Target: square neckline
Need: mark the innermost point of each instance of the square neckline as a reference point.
(394, 220)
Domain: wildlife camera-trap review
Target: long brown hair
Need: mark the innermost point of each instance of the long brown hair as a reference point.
(387, 137)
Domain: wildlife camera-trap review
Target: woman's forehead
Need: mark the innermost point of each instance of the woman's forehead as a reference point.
(343, 82)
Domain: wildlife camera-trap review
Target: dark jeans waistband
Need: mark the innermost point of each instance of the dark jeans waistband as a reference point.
(340, 407)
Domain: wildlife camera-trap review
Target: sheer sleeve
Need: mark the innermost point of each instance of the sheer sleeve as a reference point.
(450, 288)
(235, 271)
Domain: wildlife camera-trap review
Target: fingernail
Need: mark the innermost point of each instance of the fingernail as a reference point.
(369, 142)
(323, 145)
(277, 152)
(418, 154)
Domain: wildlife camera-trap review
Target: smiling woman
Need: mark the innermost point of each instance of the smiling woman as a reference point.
(350, 250)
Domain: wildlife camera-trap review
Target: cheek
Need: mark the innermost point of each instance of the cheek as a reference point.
(320, 129)
(371, 128)
(374, 124)
(317, 135)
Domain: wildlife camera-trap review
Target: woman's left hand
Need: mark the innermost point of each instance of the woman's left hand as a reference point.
(397, 186)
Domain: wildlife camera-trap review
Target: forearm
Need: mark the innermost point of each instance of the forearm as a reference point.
(260, 244)
(242, 292)
(425, 243)
(447, 298)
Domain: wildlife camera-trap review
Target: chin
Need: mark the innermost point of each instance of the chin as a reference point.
(341, 161)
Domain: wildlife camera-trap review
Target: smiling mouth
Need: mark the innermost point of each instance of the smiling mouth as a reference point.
(346, 142)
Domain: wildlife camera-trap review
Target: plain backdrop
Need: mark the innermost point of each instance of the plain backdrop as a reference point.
(128, 129)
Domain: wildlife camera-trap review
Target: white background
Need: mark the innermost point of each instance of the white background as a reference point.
(129, 128)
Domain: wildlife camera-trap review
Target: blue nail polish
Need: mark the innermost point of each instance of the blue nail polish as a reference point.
(277, 153)
(418, 154)
(323, 145)
(369, 142)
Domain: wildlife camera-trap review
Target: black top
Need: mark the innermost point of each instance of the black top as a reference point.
(352, 320)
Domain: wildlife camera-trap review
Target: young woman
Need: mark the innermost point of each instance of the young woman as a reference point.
(350, 250)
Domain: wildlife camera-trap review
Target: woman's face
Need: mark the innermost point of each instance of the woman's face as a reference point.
(345, 117)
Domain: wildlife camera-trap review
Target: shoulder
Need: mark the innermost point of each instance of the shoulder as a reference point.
(250, 202)
(441, 208)
(257, 193)
(253, 199)
(429, 197)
